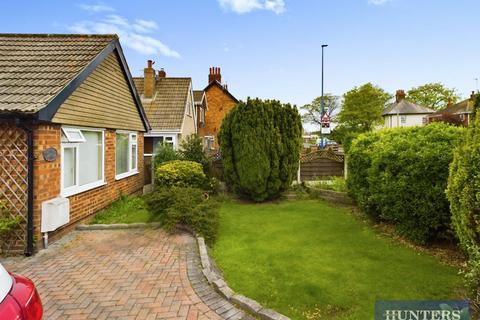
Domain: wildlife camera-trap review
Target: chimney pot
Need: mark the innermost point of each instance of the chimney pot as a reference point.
(472, 95)
(399, 95)
(162, 73)
(149, 63)
(214, 75)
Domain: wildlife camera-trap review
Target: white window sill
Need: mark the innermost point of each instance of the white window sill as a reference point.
(76, 190)
(125, 175)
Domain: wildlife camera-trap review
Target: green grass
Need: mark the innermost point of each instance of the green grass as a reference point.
(128, 209)
(310, 260)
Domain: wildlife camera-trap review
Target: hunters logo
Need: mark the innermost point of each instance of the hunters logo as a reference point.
(422, 310)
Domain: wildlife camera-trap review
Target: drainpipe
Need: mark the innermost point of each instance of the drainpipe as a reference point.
(30, 158)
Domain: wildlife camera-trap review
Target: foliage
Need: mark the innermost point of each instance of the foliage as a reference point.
(260, 143)
(313, 110)
(185, 206)
(464, 194)
(344, 135)
(362, 107)
(164, 153)
(259, 245)
(8, 227)
(180, 173)
(432, 95)
(399, 175)
(191, 149)
(127, 209)
(337, 184)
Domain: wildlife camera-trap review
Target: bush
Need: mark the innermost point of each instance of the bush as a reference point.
(400, 175)
(8, 227)
(180, 173)
(186, 206)
(191, 149)
(260, 143)
(164, 153)
(464, 195)
(337, 184)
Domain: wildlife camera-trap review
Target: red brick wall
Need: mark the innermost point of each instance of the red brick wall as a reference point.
(85, 204)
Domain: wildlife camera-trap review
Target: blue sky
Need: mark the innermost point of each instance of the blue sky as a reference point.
(271, 48)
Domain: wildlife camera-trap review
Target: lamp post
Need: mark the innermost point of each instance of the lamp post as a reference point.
(322, 104)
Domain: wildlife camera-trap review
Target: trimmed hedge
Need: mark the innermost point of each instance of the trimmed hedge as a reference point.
(260, 143)
(180, 173)
(400, 175)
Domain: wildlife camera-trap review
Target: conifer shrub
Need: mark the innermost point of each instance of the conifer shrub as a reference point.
(260, 144)
(180, 173)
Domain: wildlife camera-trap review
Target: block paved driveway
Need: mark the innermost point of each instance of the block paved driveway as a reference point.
(120, 274)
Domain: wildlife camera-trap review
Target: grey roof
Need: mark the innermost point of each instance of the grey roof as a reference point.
(198, 96)
(166, 110)
(462, 107)
(406, 107)
(34, 68)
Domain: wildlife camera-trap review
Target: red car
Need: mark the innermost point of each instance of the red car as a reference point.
(19, 299)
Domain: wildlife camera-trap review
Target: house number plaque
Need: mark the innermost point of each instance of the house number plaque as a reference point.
(50, 154)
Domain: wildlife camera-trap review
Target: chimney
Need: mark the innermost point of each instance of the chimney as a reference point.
(472, 96)
(400, 95)
(225, 86)
(214, 75)
(450, 102)
(162, 73)
(149, 80)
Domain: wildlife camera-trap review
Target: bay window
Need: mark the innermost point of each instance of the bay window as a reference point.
(82, 160)
(126, 154)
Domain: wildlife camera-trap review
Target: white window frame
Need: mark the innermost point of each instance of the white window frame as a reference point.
(209, 138)
(68, 134)
(130, 171)
(75, 189)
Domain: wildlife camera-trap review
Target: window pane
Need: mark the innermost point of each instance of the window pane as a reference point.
(134, 157)
(90, 157)
(121, 153)
(69, 167)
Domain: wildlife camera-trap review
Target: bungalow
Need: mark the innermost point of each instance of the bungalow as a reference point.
(403, 113)
(220, 102)
(71, 131)
(169, 106)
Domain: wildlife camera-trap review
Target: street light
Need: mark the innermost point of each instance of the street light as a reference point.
(322, 104)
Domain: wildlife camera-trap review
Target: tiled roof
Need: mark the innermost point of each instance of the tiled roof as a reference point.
(198, 96)
(405, 107)
(167, 108)
(34, 68)
(464, 106)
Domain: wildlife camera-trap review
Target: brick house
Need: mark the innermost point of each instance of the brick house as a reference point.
(460, 113)
(71, 131)
(219, 102)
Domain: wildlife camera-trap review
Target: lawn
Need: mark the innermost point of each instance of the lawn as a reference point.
(127, 209)
(309, 260)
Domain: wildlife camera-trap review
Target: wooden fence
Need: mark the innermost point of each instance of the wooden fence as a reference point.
(316, 164)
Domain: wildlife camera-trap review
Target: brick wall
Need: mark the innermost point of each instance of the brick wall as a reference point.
(85, 204)
(219, 104)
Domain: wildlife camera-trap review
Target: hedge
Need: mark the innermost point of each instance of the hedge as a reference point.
(400, 176)
(180, 173)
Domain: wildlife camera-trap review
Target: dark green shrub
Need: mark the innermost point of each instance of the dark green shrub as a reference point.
(185, 206)
(399, 175)
(164, 153)
(464, 195)
(191, 149)
(8, 227)
(180, 173)
(260, 143)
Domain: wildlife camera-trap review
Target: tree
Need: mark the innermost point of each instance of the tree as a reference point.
(361, 111)
(260, 144)
(432, 95)
(191, 148)
(313, 110)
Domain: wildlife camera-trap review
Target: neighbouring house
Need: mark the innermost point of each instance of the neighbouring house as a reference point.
(71, 131)
(169, 105)
(201, 107)
(403, 113)
(220, 102)
(459, 113)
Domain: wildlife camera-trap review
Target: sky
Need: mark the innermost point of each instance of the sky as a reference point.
(272, 48)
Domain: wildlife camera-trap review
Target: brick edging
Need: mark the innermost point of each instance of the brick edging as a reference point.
(118, 226)
(215, 278)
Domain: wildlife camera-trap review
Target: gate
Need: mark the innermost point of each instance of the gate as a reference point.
(320, 164)
(14, 181)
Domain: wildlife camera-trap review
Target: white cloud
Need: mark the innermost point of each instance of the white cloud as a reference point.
(99, 7)
(378, 2)
(132, 35)
(245, 6)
